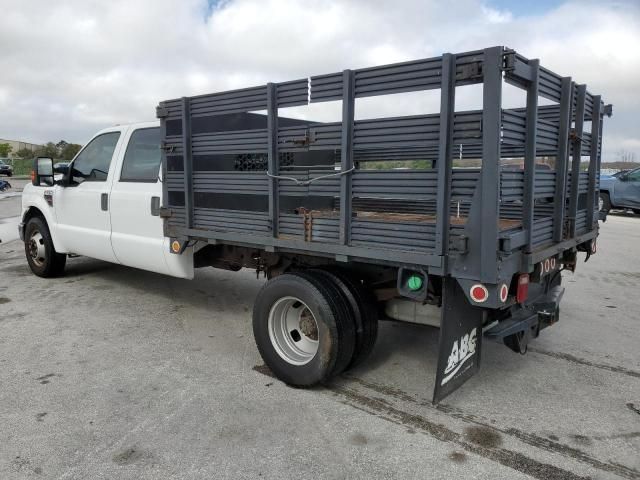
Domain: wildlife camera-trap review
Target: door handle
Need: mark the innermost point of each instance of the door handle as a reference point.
(104, 202)
(155, 206)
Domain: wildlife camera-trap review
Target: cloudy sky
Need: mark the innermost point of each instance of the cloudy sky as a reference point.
(71, 67)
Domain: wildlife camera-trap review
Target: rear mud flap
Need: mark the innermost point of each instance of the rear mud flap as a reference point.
(460, 340)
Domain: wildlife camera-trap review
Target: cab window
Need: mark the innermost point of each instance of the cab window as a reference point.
(142, 158)
(92, 164)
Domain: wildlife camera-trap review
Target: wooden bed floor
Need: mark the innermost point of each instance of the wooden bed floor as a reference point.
(505, 223)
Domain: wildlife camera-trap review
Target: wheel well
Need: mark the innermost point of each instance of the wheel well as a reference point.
(609, 195)
(32, 212)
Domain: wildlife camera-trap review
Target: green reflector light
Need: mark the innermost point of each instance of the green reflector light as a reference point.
(414, 283)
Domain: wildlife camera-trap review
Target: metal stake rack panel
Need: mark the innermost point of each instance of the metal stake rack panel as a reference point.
(232, 175)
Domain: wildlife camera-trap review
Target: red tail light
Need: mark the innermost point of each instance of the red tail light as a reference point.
(523, 288)
(479, 293)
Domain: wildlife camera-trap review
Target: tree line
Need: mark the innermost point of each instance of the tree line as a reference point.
(60, 151)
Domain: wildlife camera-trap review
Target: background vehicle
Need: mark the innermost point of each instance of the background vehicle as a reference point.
(474, 251)
(59, 169)
(60, 166)
(620, 191)
(5, 169)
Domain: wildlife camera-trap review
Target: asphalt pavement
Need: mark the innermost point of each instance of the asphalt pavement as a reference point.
(115, 373)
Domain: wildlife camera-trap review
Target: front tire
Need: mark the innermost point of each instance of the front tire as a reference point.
(42, 257)
(604, 202)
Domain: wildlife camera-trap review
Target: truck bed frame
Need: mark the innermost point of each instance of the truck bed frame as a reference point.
(235, 176)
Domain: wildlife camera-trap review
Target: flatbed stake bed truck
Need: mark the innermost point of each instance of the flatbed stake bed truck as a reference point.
(344, 237)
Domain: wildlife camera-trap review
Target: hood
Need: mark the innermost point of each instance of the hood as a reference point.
(607, 181)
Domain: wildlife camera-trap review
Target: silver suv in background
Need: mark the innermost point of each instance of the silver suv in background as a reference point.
(621, 191)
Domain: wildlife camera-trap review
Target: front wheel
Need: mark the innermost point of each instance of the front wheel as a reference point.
(42, 257)
(604, 202)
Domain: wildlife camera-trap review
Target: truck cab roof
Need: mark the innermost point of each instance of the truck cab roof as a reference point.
(126, 126)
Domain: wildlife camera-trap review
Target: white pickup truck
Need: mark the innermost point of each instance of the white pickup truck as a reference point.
(107, 207)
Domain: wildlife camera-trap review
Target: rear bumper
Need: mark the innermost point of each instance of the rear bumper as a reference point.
(526, 323)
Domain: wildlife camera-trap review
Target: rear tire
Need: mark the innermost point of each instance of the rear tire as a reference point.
(343, 313)
(366, 315)
(296, 328)
(352, 316)
(42, 257)
(604, 202)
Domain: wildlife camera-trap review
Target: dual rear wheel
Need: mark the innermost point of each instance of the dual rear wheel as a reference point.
(313, 324)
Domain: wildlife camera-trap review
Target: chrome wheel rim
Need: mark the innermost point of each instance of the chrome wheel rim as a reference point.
(293, 331)
(600, 203)
(37, 251)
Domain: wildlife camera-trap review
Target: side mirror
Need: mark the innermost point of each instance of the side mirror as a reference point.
(623, 178)
(42, 173)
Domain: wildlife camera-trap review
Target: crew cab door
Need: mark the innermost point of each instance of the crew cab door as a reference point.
(83, 223)
(137, 233)
(627, 190)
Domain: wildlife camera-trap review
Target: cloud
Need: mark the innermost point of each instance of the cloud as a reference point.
(72, 67)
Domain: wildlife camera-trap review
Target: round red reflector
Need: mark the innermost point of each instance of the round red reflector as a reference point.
(504, 293)
(175, 246)
(479, 293)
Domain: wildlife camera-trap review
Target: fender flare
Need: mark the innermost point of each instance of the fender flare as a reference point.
(41, 209)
